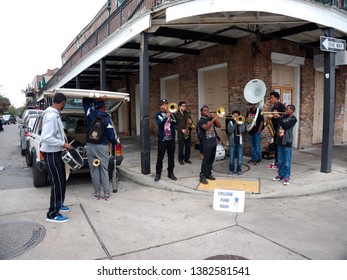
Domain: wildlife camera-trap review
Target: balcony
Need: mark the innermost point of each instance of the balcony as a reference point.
(114, 18)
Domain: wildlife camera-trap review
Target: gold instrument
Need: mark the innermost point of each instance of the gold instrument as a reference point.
(221, 113)
(96, 162)
(189, 126)
(270, 113)
(172, 107)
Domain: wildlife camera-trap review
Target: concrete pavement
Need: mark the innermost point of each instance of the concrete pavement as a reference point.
(306, 176)
(176, 221)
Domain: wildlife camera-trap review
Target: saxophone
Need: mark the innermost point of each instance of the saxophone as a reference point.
(189, 125)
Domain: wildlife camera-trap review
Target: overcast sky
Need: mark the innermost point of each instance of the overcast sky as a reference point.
(33, 35)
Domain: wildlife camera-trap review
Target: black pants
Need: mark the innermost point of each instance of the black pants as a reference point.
(56, 171)
(164, 146)
(207, 162)
(184, 146)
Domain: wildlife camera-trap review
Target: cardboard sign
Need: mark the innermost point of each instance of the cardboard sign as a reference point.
(229, 200)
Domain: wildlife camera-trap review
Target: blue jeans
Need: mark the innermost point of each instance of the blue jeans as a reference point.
(284, 161)
(255, 143)
(235, 150)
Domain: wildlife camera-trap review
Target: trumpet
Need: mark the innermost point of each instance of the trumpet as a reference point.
(96, 162)
(270, 113)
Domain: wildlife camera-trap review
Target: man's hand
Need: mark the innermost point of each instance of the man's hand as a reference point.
(67, 146)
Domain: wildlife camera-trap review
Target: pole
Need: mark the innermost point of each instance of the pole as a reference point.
(144, 105)
(329, 100)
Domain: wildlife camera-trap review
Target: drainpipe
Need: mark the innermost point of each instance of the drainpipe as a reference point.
(109, 13)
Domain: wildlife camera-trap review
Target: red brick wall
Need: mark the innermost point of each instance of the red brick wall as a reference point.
(242, 66)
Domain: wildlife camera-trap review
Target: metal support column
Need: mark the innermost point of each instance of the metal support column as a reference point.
(329, 100)
(144, 106)
(103, 74)
(78, 82)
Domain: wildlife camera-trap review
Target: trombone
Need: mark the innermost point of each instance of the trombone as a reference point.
(172, 108)
(221, 114)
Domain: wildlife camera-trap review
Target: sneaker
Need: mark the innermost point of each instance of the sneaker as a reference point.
(57, 219)
(271, 166)
(64, 208)
(257, 162)
(230, 174)
(188, 161)
(240, 173)
(277, 178)
(251, 161)
(286, 181)
(107, 196)
(96, 196)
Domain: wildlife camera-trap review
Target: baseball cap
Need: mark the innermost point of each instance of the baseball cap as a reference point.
(99, 104)
(163, 101)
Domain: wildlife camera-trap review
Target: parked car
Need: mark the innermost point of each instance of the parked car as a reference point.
(6, 118)
(30, 112)
(13, 119)
(71, 115)
(24, 131)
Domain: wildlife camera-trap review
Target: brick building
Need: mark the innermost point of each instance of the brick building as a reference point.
(205, 52)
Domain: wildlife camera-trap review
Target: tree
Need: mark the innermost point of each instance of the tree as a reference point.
(4, 103)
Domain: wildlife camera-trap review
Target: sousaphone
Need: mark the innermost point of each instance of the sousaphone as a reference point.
(254, 93)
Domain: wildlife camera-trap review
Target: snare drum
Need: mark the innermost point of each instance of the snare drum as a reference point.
(72, 158)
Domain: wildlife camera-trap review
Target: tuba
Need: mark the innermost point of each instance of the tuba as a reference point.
(254, 93)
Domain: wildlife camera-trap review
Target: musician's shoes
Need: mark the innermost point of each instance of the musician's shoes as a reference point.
(277, 178)
(286, 181)
(239, 173)
(203, 181)
(272, 166)
(157, 177)
(181, 162)
(230, 174)
(188, 161)
(210, 177)
(257, 162)
(172, 176)
(96, 196)
(107, 196)
(64, 208)
(251, 161)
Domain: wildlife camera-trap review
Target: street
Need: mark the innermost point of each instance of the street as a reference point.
(144, 223)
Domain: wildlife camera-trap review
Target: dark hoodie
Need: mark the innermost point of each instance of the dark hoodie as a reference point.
(92, 113)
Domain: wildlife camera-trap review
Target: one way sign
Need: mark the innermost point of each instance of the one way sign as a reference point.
(332, 44)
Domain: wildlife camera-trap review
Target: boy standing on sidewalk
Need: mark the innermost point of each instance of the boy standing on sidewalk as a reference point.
(284, 145)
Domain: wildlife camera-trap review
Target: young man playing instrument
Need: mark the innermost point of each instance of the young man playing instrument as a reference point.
(256, 120)
(207, 132)
(183, 127)
(235, 132)
(277, 106)
(284, 144)
(166, 140)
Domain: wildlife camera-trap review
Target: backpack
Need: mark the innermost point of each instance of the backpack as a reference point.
(97, 131)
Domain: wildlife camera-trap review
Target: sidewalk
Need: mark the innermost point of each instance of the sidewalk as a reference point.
(306, 176)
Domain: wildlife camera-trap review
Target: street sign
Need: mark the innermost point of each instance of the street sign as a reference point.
(330, 44)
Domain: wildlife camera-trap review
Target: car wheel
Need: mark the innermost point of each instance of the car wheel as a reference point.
(28, 157)
(22, 151)
(40, 177)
